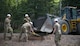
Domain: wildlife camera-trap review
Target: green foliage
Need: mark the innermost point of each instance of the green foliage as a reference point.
(75, 3)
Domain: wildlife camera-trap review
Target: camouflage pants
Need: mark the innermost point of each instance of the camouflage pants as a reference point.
(57, 39)
(6, 30)
(26, 34)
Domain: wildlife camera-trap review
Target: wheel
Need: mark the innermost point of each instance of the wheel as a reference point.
(78, 27)
(65, 28)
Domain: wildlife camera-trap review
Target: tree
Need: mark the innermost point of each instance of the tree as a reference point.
(75, 3)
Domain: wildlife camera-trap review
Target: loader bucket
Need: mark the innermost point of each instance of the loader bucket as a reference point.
(44, 24)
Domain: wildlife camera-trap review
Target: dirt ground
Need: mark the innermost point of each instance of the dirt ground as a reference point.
(48, 40)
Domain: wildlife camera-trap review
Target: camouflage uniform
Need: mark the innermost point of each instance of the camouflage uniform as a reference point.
(27, 19)
(26, 28)
(7, 27)
(57, 34)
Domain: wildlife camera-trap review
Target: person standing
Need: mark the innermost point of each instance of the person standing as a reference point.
(57, 32)
(27, 19)
(7, 26)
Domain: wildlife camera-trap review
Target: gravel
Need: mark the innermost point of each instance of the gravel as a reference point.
(48, 40)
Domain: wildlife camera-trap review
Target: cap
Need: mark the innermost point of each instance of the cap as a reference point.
(26, 15)
(8, 15)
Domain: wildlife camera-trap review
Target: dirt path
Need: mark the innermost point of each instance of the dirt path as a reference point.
(66, 40)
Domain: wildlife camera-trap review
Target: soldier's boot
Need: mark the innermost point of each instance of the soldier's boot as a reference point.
(57, 43)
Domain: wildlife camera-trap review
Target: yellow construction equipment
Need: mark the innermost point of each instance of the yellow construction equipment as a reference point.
(70, 20)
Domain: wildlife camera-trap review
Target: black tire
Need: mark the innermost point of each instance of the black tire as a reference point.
(67, 25)
(78, 28)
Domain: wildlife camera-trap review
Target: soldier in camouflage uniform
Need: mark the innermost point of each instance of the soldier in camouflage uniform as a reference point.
(26, 29)
(7, 26)
(27, 18)
(57, 32)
